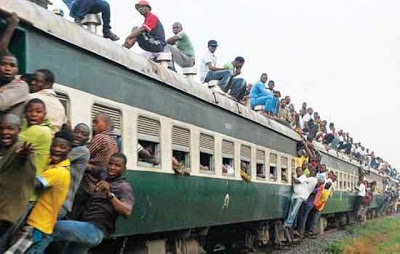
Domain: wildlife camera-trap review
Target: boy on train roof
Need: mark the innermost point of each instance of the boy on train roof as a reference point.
(150, 36)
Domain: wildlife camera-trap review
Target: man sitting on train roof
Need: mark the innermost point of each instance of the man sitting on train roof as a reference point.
(237, 86)
(110, 197)
(13, 91)
(181, 47)
(150, 36)
(259, 94)
(82, 7)
(209, 71)
(41, 87)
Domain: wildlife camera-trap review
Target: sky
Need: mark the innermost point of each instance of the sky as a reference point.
(341, 57)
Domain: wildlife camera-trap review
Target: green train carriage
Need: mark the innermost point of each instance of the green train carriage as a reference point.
(151, 104)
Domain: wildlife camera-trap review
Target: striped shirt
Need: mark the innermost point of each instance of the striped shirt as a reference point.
(102, 146)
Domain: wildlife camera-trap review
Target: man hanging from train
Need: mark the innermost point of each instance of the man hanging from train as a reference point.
(110, 196)
(78, 10)
(103, 144)
(17, 172)
(53, 186)
(41, 87)
(13, 91)
(150, 36)
(181, 47)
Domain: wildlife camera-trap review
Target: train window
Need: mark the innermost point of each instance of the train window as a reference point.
(284, 169)
(116, 118)
(292, 167)
(149, 132)
(348, 181)
(340, 181)
(228, 150)
(180, 147)
(273, 170)
(260, 159)
(351, 182)
(344, 181)
(245, 159)
(64, 99)
(206, 152)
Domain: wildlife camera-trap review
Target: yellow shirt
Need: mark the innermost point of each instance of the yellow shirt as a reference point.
(300, 160)
(322, 200)
(55, 179)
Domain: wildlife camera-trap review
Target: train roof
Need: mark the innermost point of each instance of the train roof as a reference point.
(69, 32)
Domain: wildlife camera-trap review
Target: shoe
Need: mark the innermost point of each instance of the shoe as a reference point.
(110, 35)
(78, 22)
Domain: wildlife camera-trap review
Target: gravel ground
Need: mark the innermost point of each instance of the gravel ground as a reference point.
(309, 245)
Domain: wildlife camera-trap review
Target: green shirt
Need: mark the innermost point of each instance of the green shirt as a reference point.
(40, 138)
(184, 44)
(230, 67)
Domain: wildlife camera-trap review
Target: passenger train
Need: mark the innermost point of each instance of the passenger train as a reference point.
(170, 113)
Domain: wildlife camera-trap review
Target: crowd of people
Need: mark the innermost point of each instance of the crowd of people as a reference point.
(73, 191)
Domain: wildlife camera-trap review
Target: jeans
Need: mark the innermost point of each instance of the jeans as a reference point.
(223, 76)
(304, 212)
(262, 100)
(80, 235)
(295, 204)
(179, 57)
(80, 8)
(68, 3)
(150, 45)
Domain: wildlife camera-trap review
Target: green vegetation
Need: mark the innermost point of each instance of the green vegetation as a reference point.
(381, 236)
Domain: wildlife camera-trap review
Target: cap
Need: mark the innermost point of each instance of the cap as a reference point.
(213, 43)
(142, 3)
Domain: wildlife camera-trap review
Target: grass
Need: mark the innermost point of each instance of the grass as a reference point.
(380, 236)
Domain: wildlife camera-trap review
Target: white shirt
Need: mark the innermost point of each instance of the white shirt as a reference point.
(208, 58)
(361, 190)
(311, 182)
(55, 111)
(300, 189)
(306, 118)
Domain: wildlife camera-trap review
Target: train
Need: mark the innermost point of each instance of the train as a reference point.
(171, 113)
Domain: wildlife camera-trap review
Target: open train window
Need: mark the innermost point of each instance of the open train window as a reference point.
(245, 158)
(116, 118)
(260, 164)
(273, 169)
(340, 181)
(206, 153)
(181, 146)
(149, 133)
(228, 151)
(284, 169)
(64, 99)
(17, 45)
(344, 181)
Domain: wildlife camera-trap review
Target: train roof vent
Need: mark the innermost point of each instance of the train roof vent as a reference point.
(115, 115)
(148, 129)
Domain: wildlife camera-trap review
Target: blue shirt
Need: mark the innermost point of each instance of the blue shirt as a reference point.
(259, 90)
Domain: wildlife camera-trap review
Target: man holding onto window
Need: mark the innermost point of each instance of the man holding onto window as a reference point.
(103, 145)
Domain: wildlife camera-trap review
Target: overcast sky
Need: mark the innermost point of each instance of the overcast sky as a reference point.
(342, 57)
